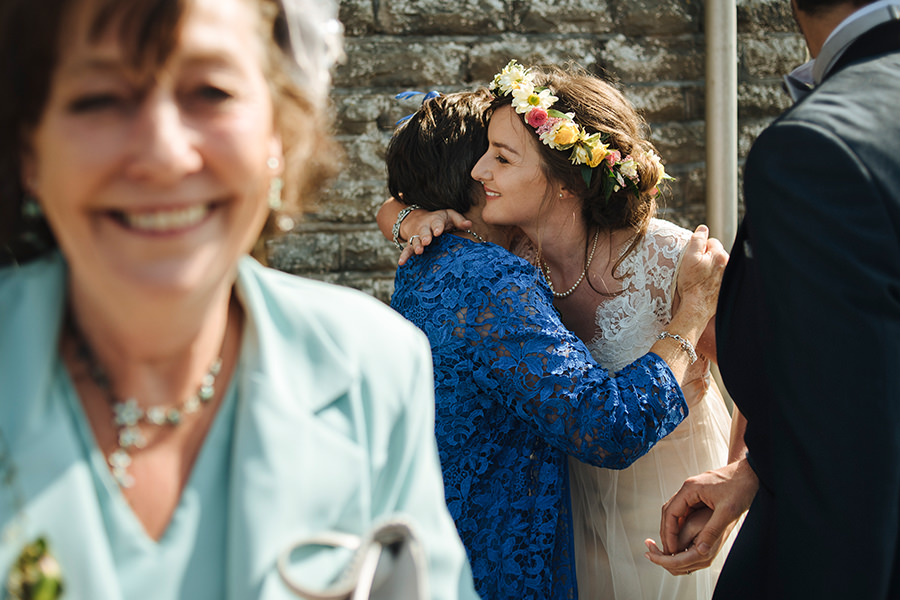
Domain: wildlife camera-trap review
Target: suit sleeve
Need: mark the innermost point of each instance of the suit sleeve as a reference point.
(827, 249)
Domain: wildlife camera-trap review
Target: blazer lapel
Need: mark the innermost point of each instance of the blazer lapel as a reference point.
(296, 463)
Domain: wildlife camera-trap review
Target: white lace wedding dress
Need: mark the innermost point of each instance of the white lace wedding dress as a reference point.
(613, 512)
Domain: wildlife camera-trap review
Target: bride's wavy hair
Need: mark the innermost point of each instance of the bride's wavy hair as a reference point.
(600, 108)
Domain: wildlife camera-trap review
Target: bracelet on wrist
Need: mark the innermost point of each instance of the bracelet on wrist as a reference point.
(396, 228)
(685, 344)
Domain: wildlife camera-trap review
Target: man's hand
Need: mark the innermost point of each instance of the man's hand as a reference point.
(699, 517)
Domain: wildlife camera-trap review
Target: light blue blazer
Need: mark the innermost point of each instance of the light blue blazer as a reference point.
(333, 429)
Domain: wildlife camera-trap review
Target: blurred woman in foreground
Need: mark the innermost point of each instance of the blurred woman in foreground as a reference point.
(175, 416)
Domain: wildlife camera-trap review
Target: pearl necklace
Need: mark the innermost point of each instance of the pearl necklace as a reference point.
(476, 236)
(128, 414)
(545, 269)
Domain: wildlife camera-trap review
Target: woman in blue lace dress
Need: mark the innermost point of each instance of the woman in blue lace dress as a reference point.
(516, 392)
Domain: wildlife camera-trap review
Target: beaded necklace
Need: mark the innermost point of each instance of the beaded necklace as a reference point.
(545, 269)
(128, 414)
(476, 236)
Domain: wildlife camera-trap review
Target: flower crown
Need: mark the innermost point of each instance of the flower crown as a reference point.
(560, 131)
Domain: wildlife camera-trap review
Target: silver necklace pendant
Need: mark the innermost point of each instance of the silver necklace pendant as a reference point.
(128, 416)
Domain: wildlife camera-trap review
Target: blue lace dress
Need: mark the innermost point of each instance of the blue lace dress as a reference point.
(517, 393)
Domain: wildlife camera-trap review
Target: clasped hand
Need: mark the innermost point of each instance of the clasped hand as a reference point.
(700, 516)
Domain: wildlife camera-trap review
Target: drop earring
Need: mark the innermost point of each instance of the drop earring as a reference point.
(276, 184)
(31, 210)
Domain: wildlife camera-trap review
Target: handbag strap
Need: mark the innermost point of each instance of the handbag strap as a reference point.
(391, 550)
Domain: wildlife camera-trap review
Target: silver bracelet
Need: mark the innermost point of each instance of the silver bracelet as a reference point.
(685, 344)
(396, 229)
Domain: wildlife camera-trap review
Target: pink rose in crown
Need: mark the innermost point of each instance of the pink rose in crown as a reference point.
(613, 157)
(536, 117)
(546, 127)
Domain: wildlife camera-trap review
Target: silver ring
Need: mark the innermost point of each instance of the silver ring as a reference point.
(412, 237)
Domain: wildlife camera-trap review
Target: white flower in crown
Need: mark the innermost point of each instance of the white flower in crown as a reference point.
(628, 168)
(511, 77)
(657, 161)
(526, 98)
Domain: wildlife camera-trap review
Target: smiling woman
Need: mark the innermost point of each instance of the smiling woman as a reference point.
(176, 415)
(153, 179)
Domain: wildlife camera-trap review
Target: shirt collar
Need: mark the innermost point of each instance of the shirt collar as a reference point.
(804, 78)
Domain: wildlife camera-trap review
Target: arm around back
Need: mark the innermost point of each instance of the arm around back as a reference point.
(495, 310)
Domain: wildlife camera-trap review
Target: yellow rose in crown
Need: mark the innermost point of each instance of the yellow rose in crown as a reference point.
(565, 133)
(589, 151)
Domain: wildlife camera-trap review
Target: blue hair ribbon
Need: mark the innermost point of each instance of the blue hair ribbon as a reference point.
(411, 94)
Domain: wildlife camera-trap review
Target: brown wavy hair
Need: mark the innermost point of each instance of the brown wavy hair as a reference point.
(599, 107)
(30, 36)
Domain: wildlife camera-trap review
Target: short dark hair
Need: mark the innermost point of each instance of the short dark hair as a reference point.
(817, 6)
(431, 155)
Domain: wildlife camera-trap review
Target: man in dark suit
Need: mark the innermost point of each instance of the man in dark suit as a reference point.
(808, 332)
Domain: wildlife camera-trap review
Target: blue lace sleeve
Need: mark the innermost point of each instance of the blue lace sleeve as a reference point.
(491, 306)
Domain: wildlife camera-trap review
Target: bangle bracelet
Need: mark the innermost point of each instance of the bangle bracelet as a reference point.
(685, 344)
(396, 229)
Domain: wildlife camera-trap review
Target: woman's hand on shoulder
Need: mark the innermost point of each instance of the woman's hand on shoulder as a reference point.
(421, 226)
(700, 274)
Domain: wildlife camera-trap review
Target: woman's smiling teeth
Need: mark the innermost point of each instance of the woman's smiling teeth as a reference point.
(163, 221)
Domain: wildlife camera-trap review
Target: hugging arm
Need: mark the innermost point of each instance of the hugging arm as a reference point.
(527, 360)
(495, 308)
(419, 222)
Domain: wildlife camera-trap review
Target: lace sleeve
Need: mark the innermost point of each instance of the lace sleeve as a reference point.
(523, 357)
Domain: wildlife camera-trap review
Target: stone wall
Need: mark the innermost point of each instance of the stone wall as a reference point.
(654, 49)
